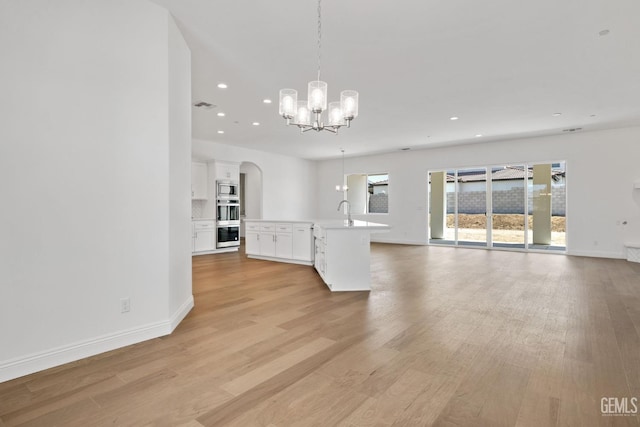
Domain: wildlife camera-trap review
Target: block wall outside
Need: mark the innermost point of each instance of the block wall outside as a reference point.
(504, 202)
(379, 203)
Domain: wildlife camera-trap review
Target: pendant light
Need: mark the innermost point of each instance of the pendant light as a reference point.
(342, 187)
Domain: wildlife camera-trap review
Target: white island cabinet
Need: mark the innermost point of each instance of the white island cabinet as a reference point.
(284, 241)
(342, 253)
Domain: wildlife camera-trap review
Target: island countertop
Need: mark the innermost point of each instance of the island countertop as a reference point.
(332, 224)
(337, 224)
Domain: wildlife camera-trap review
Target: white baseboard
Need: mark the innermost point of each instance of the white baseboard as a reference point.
(181, 313)
(286, 260)
(29, 364)
(598, 254)
(398, 242)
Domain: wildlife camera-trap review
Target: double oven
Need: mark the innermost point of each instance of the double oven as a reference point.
(227, 214)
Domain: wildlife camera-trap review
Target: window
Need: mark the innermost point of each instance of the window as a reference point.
(368, 193)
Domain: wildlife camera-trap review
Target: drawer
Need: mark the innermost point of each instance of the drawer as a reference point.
(302, 227)
(267, 226)
(252, 226)
(284, 228)
(204, 225)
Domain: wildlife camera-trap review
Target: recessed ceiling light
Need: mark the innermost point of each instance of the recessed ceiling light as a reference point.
(266, 101)
(556, 114)
(478, 135)
(220, 131)
(454, 118)
(222, 85)
(604, 32)
(220, 114)
(256, 123)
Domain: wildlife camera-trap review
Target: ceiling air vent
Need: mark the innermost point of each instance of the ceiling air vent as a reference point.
(205, 105)
(571, 129)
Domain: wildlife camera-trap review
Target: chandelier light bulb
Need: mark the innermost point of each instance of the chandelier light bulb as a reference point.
(288, 103)
(303, 117)
(317, 96)
(336, 118)
(349, 104)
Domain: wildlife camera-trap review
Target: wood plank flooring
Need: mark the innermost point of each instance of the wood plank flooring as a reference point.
(447, 337)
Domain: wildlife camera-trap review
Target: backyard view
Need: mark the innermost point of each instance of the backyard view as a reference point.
(488, 205)
(507, 227)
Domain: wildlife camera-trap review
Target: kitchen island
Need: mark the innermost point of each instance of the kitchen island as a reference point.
(343, 255)
(339, 250)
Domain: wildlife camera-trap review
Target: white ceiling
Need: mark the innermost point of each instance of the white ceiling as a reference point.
(504, 67)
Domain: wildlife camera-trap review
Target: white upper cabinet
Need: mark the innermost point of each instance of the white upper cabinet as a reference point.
(227, 170)
(198, 181)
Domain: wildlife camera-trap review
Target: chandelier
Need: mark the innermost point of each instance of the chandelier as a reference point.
(307, 115)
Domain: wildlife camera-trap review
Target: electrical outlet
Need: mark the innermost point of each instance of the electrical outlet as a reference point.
(125, 305)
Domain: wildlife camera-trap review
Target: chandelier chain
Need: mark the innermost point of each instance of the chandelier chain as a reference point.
(319, 36)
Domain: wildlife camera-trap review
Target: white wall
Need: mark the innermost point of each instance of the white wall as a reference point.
(287, 182)
(601, 167)
(180, 243)
(87, 179)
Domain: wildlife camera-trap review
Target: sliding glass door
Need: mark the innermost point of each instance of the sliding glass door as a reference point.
(547, 206)
(471, 211)
(458, 207)
(520, 206)
(508, 206)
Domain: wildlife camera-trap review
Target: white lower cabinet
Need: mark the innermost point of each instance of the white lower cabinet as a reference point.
(204, 238)
(252, 239)
(279, 241)
(342, 258)
(302, 244)
(284, 241)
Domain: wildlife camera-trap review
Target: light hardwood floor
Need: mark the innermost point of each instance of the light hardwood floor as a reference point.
(447, 337)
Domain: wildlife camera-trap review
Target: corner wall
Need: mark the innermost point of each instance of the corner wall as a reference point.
(88, 176)
(180, 281)
(601, 169)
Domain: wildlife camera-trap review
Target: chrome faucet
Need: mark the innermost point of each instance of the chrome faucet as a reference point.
(350, 221)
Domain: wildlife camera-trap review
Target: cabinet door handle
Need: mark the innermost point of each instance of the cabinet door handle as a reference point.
(274, 237)
(258, 237)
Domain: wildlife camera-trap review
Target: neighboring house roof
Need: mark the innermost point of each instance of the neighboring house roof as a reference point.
(508, 173)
